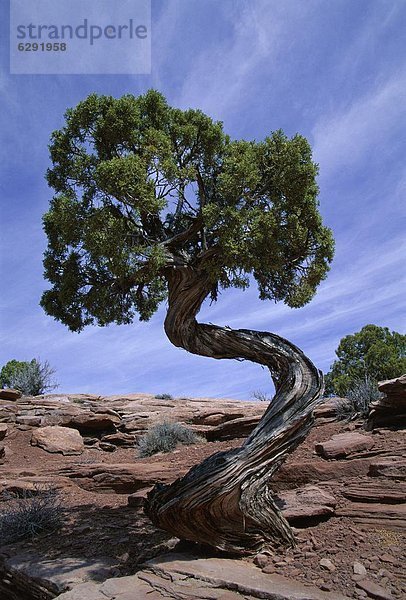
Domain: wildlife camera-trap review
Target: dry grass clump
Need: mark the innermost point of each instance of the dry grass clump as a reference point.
(164, 437)
(25, 515)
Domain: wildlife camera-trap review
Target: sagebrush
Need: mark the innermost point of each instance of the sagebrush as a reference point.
(358, 400)
(164, 437)
(261, 396)
(30, 513)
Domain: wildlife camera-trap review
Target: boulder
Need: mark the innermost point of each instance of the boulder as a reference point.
(10, 394)
(390, 410)
(305, 504)
(58, 439)
(3, 431)
(344, 444)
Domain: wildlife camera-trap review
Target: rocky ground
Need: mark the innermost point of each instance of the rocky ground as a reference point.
(343, 490)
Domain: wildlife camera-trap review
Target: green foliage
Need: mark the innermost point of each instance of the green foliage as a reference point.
(10, 370)
(31, 378)
(164, 397)
(27, 515)
(164, 437)
(141, 186)
(358, 400)
(374, 353)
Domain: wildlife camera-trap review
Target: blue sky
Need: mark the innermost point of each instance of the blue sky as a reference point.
(332, 70)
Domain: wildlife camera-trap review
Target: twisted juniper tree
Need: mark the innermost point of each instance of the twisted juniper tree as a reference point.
(154, 203)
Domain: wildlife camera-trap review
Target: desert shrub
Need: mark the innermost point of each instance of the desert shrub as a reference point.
(163, 397)
(261, 396)
(358, 400)
(375, 353)
(33, 512)
(33, 378)
(164, 437)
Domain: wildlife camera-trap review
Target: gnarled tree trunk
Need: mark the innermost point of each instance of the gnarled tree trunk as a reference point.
(225, 501)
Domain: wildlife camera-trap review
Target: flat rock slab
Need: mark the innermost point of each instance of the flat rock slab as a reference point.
(386, 492)
(394, 389)
(186, 578)
(124, 478)
(304, 503)
(376, 511)
(122, 588)
(393, 467)
(238, 576)
(31, 577)
(374, 590)
(10, 394)
(344, 444)
(316, 470)
(58, 439)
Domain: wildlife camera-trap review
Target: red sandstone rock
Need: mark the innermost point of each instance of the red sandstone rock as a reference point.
(10, 394)
(344, 444)
(306, 503)
(374, 590)
(3, 431)
(58, 439)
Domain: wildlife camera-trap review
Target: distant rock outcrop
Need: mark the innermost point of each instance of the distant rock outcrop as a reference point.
(121, 420)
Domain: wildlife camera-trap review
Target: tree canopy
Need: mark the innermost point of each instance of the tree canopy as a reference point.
(142, 187)
(11, 370)
(373, 353)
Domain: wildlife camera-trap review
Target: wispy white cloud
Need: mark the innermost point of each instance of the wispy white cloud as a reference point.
(232, 71)
(349, 134)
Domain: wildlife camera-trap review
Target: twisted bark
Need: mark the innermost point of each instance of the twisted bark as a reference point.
(225, 501)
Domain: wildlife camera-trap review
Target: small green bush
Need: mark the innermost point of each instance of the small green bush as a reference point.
(358, 400)
(163, 397)
(31, 378)
(164, 437)
(33, 512)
